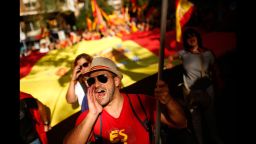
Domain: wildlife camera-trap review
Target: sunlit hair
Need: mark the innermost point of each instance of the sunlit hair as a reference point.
(87, 57)
(188, 32)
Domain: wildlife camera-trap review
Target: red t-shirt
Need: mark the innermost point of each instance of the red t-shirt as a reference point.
(126, 128)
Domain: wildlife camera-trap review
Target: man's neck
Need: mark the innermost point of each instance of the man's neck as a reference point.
(115, 107)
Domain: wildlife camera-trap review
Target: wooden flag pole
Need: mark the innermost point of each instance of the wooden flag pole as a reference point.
(161, 65)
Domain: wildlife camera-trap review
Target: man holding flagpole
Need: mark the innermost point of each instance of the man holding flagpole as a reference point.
(115, 117)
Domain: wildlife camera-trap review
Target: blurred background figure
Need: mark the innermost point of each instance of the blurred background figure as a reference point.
(23, 46)
(199, 77)
(34, 120)
(43, 46)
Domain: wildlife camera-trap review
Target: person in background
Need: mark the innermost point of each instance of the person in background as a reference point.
(34, 120)
(77, 88)
(199, 77)
(115, 117)
(43, 46)
(23, 46)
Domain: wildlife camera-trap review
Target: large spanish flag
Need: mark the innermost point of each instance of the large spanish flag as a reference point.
(49, 78)
(136, 55)
(184, 9)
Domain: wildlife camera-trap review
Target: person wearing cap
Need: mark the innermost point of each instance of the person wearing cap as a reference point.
(114, 117)
(77, 89)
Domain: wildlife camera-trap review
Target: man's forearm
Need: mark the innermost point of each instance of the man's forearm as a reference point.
(81, 133)
(70, 96)
(176, 114)
(45, 113)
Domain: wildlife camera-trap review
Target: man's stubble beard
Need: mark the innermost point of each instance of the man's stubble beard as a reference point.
(110, 97)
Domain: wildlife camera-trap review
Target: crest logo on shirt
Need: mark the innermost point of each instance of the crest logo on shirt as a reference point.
(118, 136)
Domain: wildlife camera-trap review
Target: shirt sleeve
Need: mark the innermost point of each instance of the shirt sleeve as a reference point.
(79, 93)
(81, 117)
(212, 58)
(181, 53)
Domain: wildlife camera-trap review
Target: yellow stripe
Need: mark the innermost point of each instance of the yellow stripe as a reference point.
(104, 14)
(93, 5)
(178, 27)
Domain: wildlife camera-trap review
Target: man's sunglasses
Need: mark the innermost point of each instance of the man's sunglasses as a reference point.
(101, 78)
(86, 64)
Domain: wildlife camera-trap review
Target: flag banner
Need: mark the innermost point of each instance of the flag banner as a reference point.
(89, 23)
(104, 14)
(98, 16)
(27, 62)
(93, 7)
(49, 78)
(184, 9)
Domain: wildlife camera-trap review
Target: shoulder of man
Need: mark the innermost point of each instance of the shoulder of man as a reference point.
(144, 101)
(143, 97)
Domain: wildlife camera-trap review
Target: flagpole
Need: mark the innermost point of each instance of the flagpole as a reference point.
(161, 65)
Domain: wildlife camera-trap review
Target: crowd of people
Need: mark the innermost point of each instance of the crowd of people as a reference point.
(110, 116)
(50, 39)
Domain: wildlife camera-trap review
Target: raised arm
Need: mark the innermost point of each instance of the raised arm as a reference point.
(71, 96)
(45, 114)
(172, 113)
(80, 134)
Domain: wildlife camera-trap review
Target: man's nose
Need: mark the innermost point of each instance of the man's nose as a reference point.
(97, 83)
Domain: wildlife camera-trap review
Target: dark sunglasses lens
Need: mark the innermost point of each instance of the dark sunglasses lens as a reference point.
(90, 81)
(102, 78)
(85, 65)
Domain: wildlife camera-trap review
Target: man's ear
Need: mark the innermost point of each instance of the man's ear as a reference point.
(117, 81)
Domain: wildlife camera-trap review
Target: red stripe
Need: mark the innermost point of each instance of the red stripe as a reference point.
(27, 62)
(218, 42)
(99, 67)
(185, 18)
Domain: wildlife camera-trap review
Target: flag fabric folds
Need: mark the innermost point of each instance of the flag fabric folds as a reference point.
(89, 23)
(184, 9)
(98, 18)
(49, 78)
(136, 56)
